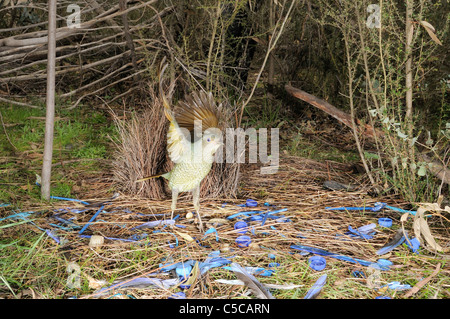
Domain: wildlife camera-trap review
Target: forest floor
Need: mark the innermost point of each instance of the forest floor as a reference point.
(45, 248)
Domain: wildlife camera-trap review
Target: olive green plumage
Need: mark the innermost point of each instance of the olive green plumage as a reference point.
(192, 157)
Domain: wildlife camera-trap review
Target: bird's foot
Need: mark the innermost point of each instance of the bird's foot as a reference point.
(200, 223)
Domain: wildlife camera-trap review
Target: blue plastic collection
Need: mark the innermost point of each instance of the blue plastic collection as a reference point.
(244, 229)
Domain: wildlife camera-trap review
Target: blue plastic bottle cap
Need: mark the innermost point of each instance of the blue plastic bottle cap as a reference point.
(241, 225)
(385, 222)
(251, 203)
(243, 241)
(317, 263)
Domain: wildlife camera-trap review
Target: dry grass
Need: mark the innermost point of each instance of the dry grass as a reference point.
(297, 186)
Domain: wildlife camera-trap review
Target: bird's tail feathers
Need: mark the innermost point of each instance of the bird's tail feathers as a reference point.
(149, 177)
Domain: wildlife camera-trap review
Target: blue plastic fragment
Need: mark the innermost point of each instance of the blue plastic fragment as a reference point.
(365, 232)
(384, 262)
(383, 297)
(138, 237)
(271, 256)
(322, 252)
(273, 265)
(385, 222)
(415, 244)
(317, 263)
(52, 235)
(210, 231)
(315, 290)
(178, 295)
(260, 271)
(69, 199)
(183, 271)
(155, 223)
(377, 207)
(396, 285)
(245, 213)
(264, 218)
(171, 266)
(256, 218)
(412, 212)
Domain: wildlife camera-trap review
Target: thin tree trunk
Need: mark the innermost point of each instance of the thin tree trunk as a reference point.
(409, 81)
(50, 102)
(271, 70)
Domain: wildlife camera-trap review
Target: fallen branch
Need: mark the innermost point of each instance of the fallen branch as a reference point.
(323, 105)
(438, 170)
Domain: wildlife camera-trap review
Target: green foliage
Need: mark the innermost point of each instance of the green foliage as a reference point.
(376, 60)
(79, 138)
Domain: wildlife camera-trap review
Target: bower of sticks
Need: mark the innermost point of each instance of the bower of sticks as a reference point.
(128, 247)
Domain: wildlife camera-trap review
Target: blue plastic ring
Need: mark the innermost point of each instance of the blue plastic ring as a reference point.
(243, 241)
(317, 263)
(251, 203)
(242, 226)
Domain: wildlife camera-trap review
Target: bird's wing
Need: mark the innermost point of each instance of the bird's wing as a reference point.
(199, 106)
(178, 141)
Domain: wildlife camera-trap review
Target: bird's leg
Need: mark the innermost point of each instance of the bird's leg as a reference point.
(174, 201)
(196, 200)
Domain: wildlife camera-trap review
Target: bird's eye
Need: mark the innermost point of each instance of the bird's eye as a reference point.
(208, 139)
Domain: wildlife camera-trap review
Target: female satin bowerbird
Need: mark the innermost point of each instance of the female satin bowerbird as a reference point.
(192, 141)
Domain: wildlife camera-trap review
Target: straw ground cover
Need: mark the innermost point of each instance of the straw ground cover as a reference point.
(33, 265)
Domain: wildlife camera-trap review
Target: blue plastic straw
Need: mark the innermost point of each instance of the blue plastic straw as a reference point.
(69, 199)
(91, 220)
(377, 207)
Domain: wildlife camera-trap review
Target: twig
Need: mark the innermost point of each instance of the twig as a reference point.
(6, 133)
(423, 282)
(19, 103)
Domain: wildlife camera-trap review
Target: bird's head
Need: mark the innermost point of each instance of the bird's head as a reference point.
(211, 142)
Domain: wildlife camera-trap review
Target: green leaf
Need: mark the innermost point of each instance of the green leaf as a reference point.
(422, 171)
